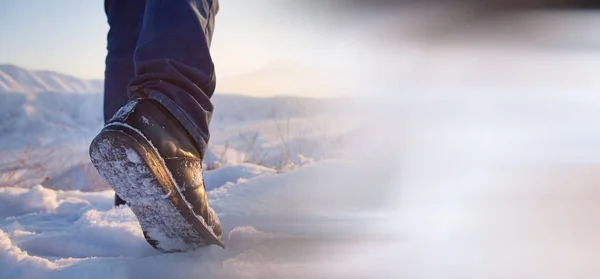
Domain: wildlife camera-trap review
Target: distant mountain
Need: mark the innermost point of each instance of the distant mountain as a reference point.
(39, 108)
(44, 108)
(239, 108)
(55, 115)
(14, 79)
(284, 78)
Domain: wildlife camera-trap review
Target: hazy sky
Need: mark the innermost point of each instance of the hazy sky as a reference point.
(308, 45)
(69, 36)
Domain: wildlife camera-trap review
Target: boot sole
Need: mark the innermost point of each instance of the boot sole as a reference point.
(134, 169)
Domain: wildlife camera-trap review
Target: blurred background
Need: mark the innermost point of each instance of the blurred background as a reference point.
(413, 139)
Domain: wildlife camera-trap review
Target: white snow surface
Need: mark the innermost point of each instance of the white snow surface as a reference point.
(45, 121)
(71, 234)
(14, 79)
(453, 183)
(271, 163)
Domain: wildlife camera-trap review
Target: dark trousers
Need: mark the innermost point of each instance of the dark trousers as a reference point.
(161, 48)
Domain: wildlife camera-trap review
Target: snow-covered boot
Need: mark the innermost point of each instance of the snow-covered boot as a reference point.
(152, 163)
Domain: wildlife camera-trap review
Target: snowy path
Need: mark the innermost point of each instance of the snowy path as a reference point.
(540, 223)
(466, 187)
(276, 226)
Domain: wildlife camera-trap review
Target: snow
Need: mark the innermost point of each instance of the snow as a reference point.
(447, 184)
(59, 234)
(166, 195)
(60, 222)
(14, 79)
(61, 120)
(145, 120)
(132, 156)
(234, 173)
(82, 176)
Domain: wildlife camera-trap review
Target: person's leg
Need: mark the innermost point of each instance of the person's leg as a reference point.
(125, 21)
(173, 64)
(150, 151)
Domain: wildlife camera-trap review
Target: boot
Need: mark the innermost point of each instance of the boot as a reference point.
(152, 163)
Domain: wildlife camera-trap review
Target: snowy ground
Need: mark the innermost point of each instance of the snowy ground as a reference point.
(280, 172)
(467, 184)
(280, 220)
(275, 230)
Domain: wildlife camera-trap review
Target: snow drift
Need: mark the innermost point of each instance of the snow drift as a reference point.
(64, 234)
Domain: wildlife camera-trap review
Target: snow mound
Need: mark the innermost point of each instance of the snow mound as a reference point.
(18, 80)
(51, 118)
(16, 202)
(47, 233)
(233, 173)
(83, 177)
(232, 108)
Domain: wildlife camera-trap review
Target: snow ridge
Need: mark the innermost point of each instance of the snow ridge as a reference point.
(14, 79)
